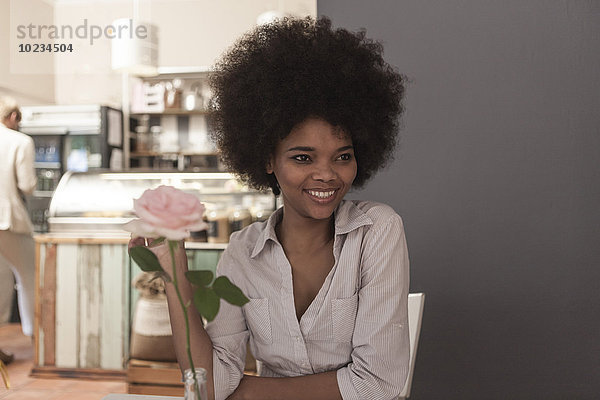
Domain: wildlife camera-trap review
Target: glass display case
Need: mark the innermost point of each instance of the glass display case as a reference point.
(101, 202)
(69, 138)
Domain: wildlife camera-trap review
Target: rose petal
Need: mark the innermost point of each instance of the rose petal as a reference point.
(169, 208)
(173, 234)
(140, 228)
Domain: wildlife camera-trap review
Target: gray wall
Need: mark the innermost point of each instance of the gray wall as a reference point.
(497, 179)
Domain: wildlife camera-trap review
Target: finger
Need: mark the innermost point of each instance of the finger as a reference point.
(137, 241)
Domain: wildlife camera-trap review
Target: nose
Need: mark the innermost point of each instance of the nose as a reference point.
(324, 172)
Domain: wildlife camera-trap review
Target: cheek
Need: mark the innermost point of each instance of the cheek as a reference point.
(288, 177)
(350, 173)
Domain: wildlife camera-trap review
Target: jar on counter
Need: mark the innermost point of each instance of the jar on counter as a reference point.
(155, 132)
(218, 230)
(261, 209)
(239, 218)
(260, 214)
(199, 236)
(173, 94)
(142, 136)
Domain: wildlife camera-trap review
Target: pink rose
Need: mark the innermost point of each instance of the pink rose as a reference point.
(166, 211)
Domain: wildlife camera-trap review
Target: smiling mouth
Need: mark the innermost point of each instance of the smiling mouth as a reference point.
(323, 195)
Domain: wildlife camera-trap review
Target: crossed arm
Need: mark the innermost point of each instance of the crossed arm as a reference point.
(318, 386)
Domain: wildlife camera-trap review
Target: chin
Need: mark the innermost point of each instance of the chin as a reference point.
(321, 216)
(323, 212)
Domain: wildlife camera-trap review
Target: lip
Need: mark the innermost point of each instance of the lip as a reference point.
(320, 200)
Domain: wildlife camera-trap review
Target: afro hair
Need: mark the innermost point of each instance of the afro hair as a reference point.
(282, 73)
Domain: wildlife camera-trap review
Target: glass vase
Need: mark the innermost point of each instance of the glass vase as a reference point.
(190, 386)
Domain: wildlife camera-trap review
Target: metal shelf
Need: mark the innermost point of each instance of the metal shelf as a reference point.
(168, 112)
(187, 75)
(43, 193)
(47, 164)
(139, 154)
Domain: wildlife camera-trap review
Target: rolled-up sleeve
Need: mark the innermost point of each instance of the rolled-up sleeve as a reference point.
(229, 335)
(381, 347)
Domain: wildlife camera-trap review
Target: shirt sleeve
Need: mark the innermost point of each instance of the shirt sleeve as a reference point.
(26, 178)
(229, 335)
(380, 356)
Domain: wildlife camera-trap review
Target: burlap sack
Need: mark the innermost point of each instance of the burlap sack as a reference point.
(151, 336)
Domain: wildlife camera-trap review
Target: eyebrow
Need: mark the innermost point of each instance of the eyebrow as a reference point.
(308, 148)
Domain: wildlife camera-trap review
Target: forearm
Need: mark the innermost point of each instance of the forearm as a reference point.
(322, 386)
(201, 344)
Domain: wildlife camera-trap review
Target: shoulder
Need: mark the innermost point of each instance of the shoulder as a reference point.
(380, 214)
(15, 137)
(242, 243)
(383, 243)
(236, 258)
(247, 237)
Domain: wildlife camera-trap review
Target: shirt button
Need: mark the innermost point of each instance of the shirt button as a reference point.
(298, 339)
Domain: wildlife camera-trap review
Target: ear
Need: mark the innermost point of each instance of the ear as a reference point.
(12, 121)
(269, 166)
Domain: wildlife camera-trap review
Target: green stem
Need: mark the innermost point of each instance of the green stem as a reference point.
(188, 347)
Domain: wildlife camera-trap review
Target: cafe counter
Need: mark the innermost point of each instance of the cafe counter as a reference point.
(84, 299)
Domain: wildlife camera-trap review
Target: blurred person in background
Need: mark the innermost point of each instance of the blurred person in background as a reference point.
(17, 250)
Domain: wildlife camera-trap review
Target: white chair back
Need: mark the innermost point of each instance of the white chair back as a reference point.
(415, 315)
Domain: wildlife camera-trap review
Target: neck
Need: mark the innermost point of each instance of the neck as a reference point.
(7, 123)
(303, 234)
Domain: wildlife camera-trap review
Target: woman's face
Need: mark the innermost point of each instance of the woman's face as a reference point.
(315, 167)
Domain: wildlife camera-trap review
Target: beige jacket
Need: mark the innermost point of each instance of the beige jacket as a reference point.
(17, 177)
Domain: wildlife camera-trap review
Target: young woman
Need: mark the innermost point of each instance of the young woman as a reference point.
(310, 112)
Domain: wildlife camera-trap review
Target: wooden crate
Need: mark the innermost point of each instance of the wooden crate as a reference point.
(82, 305)
(154, 378)
(164, 378)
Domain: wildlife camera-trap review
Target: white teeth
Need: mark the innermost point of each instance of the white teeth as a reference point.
(322, 195)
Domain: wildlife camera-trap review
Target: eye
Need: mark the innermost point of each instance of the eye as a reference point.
(345, 157)
(301, 157)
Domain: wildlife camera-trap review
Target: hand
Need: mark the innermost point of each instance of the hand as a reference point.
(161, 250)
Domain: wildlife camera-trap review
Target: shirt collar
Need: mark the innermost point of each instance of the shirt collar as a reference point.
(268, 232)
(348, 217)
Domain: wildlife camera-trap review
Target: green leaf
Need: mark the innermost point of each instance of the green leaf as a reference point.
(199, 278)
(206, 302)
(146, 259)
(161, 274)
(229, 292)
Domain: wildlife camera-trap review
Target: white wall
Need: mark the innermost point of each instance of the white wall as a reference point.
(191, 33)
(26, 88)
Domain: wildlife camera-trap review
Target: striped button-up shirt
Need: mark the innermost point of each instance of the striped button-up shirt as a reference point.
(357, 324)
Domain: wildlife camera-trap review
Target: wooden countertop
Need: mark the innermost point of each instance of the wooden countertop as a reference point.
(112, 238)
(83, 238)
